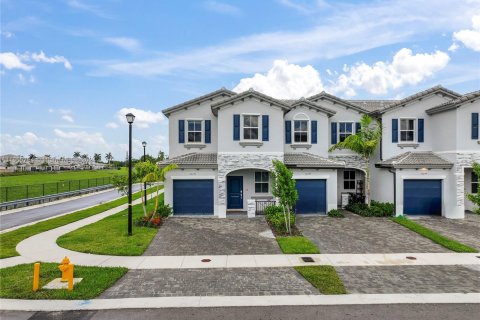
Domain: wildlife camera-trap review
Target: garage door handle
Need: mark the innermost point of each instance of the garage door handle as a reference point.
(241, 194)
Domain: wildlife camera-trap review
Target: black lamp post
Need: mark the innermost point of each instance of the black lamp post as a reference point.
(130, 117)
(144, 144)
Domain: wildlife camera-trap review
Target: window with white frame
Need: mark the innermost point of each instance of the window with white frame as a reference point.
(407, 130)
(300, 131)
(261, 182)
(345, 129)
(474, 183)
(194, 131)
(349, 180)
(250, 127)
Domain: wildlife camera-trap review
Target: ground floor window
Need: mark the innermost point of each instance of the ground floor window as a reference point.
(349, 179)
(261, 182)
(474, 182)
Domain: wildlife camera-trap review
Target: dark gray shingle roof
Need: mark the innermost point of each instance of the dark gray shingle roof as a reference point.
(416, 160)
(192, 160)
(308, 160)
(449, 105)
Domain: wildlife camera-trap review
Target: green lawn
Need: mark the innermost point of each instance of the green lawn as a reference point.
(17, 282)
(9, 240)
(434, 236)
(297, 245)
(324, 278)
(109, 236)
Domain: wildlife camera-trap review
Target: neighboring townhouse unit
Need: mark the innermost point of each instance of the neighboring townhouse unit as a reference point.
(224, 144)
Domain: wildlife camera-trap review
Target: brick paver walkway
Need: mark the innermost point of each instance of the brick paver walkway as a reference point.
(213, 236)
(466, 231)
(210, 282)
(355, 234)
(410, 279)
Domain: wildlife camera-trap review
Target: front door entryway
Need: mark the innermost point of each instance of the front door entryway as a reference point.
(235, 192)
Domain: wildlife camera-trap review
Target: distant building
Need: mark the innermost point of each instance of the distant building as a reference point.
(12, 163)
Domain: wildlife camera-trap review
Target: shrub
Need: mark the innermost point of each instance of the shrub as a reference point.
(336, 213)
(276, 218)
(164, 211)
(388, 209)
(156, 222)
(377, 209)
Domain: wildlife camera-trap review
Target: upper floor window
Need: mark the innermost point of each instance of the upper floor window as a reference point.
(407, 130)
(300, 131)
(250, 127)
(261, 182)
(194, 131)
(475, 183)
(349, 179)
(345, 129)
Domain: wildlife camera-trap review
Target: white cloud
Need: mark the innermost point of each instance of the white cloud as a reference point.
(81, 137)
(41, 57)
(128, 44)
(111, 125)
(284, 80)
(380, 77)
(25, 80)
(82, 6)
(304, 7)
(11, 61)
(143, 118)
(68, 118)
(7, 34)
(221, 7)
(470, 38)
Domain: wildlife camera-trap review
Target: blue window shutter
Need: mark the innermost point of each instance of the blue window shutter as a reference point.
(265, 128)
(236, 127)
(475, 125)
(314, 131)
(358, 127)
(333, 132)
(421, 130)
(394, 130)
(288, 132)
(181, 131)
(208, 131)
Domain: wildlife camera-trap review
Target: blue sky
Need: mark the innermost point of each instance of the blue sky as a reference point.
(70, 69)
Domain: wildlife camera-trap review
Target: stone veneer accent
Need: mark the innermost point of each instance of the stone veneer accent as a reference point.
(463, 160)
(352, 161)
(228, 162)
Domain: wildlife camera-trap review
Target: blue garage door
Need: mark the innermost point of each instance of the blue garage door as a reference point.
(422, 197)
(312, 196)
(192, 196)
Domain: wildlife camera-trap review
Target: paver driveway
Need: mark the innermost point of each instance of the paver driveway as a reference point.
(467, 230)
(213, 236)
(354, 234)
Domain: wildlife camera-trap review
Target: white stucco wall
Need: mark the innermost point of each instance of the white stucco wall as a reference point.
(444, 131)
(321, 147)
(329, 174)
(464, 125)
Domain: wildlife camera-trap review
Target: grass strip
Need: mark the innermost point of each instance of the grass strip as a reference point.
(114, 239)
(17, 282)
(434, 236)
(9, 240)
(297, 245)
(324, 278)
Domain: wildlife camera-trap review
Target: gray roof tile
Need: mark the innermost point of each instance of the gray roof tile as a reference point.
(192, 160)
(308, 160)
(373, 105)
(449, 105)
(416, 160)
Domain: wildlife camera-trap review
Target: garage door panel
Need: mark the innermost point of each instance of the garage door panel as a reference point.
(422, 197)
(192, 197)
(312, 196)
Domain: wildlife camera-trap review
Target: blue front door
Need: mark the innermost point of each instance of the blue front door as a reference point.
(235, 192)
(312, 196)
(422, 197)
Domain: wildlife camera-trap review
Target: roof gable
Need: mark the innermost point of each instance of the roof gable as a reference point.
(453, 104)
(246, 95)
(335, 100)
(312, 105)
(222, 93)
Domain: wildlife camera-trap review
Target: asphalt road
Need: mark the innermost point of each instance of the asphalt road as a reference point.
(367, 312)
(30, 215)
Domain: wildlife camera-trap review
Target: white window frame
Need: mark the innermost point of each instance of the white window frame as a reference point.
(339, 132)
(473, 182)
(301, 117)
(350, 180)
(415, 130)
(242, 127)
(261, 182)
(202, 131)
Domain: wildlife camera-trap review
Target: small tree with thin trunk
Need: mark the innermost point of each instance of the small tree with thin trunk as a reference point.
(141, 170)
(475, 197)
(159, 175)
(364, 143)
(284, 189)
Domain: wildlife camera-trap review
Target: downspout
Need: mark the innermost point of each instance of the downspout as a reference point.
(381, 141)
(394, 190)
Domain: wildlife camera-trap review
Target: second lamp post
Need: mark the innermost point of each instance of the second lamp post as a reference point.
(144, 144)
(130, 118)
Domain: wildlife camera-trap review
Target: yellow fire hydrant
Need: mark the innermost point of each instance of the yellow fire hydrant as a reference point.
(67, 272)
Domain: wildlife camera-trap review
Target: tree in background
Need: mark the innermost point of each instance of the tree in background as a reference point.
(475, 197)
(97, 157)
(161, 156)
(76, 154)
(31, 156)
(284, 189)
(364, 143)
(47, 156)
(109, 157)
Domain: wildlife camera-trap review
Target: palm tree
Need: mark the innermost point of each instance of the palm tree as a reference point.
(76, 154)
(364, 143)
(47, 156)
(97, 157)
(109, 157)
(31, 156)
(159, 175)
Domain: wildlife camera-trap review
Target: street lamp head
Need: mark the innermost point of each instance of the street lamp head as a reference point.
(144, 144)
(130, 117)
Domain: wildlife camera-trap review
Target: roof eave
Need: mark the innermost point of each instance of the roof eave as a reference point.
(190, 103)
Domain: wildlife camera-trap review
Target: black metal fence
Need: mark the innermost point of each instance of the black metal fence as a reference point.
(38, 190)
(260, 205)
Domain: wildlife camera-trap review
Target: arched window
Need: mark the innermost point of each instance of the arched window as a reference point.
(301, 128)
